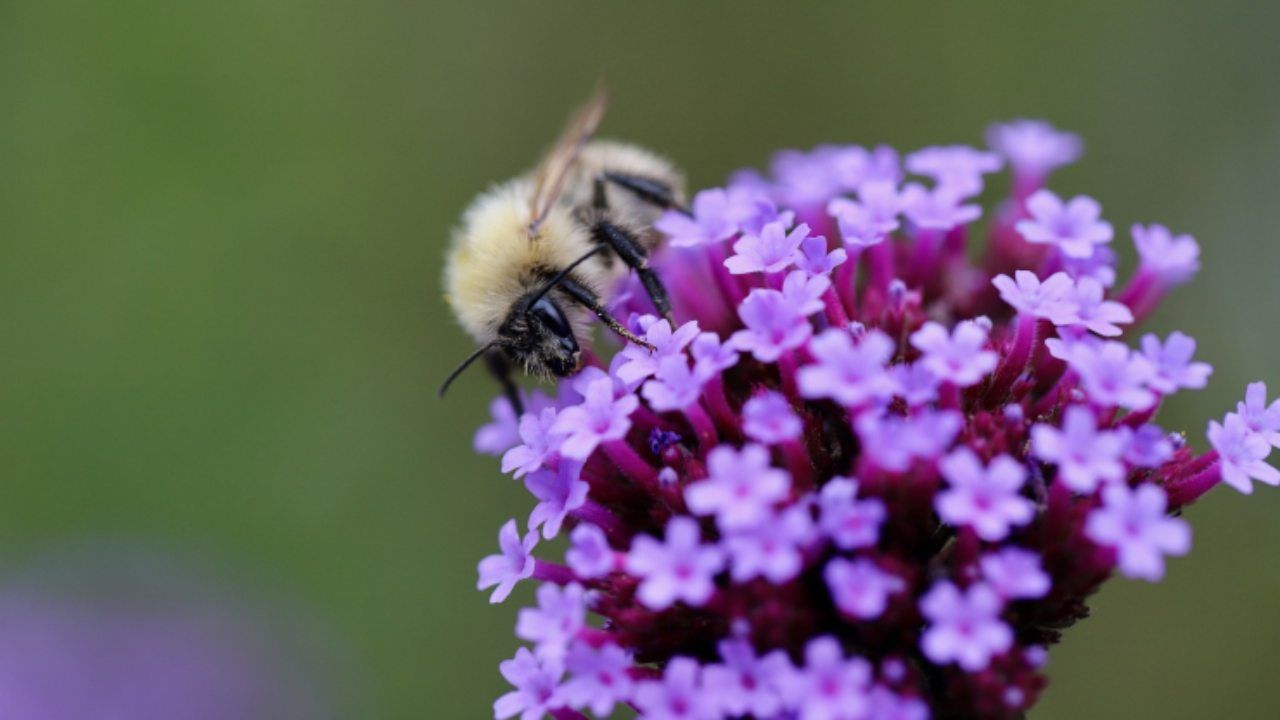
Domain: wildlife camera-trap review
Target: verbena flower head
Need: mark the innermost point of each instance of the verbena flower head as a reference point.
(871, 472)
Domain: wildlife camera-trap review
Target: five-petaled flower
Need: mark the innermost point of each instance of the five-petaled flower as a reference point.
(987, 499)
(680, 568)
(1074, 227)
(964, 625)
(1085, 455)
(1135, 524)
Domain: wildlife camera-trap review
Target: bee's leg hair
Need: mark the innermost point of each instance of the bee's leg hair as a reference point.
(588, 299)
(500, 368)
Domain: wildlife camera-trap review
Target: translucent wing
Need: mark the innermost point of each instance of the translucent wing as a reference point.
(554, 170)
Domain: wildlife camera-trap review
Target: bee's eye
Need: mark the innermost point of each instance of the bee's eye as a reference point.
(551, 317)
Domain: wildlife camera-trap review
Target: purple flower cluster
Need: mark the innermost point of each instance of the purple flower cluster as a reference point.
(872, 473)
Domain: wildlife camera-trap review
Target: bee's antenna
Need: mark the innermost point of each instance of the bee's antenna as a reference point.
(444, 387)
(560, 276)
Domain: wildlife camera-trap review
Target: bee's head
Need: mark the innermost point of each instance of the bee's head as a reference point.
(538, 336)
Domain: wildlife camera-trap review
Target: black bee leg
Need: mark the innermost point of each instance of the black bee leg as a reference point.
(586, 298)
(654, 192)
(500, 368)
(634, 255)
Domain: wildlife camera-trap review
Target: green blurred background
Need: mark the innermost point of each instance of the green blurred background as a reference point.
(221, 314)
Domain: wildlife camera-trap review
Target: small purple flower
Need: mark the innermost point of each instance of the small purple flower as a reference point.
(888, 705)
(502, 433)
(539, 441)
(806, 179)
(849, 522)
(959, 357)
(744, 683)
(1242, 454)
(894, 441)
(639, 362)
(600, 418)
(680, 568)
(860, 588)
(1027, 293)
(513, 565)
(985, 499)
(804, 291)
(740, 488)
(914, 383)
(868, 220)
(1034, 147)
(1257, 415)
(773, 325)
(576, 390)
(1084, 455)
(589, 555)
(941, 208)
(768, 418)
(773, 549)
(599, 678)
(815, 259)
(1172, 362)
(1135, 524)
(958, 167)
(882, 166)
(1173, 259)
(711, 221)
(854, 166)
(1073, 227)
(711, 356)
(964, 626)
(674, 387)
(772, 251)
(555, 622)
(1149, 447)
(537, 687)
(1112, 375)
(751, 208)
(849, 374)
(829, 686)
(678, 695)
(559, 493)
(1092, 311)
(1100, 266)
(1016, 574)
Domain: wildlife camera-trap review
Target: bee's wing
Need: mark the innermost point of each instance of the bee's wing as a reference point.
(553, 171)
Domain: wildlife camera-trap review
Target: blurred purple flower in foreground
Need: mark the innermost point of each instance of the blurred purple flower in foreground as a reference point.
(112, 630)
(874, 477)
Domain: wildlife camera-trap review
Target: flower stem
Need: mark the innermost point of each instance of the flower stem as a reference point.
(796, 456)
(1025, 335)
(600, 516)
(632, 465)
(703, 428)
(552, 572)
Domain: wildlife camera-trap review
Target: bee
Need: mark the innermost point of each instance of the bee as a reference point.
(534, 258)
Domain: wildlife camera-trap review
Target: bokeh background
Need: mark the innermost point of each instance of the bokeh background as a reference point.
(221, 325)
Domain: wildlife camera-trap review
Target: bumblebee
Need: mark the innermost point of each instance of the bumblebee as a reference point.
(534, 258)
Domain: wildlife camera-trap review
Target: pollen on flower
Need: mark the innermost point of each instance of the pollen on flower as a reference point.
(871, 471)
